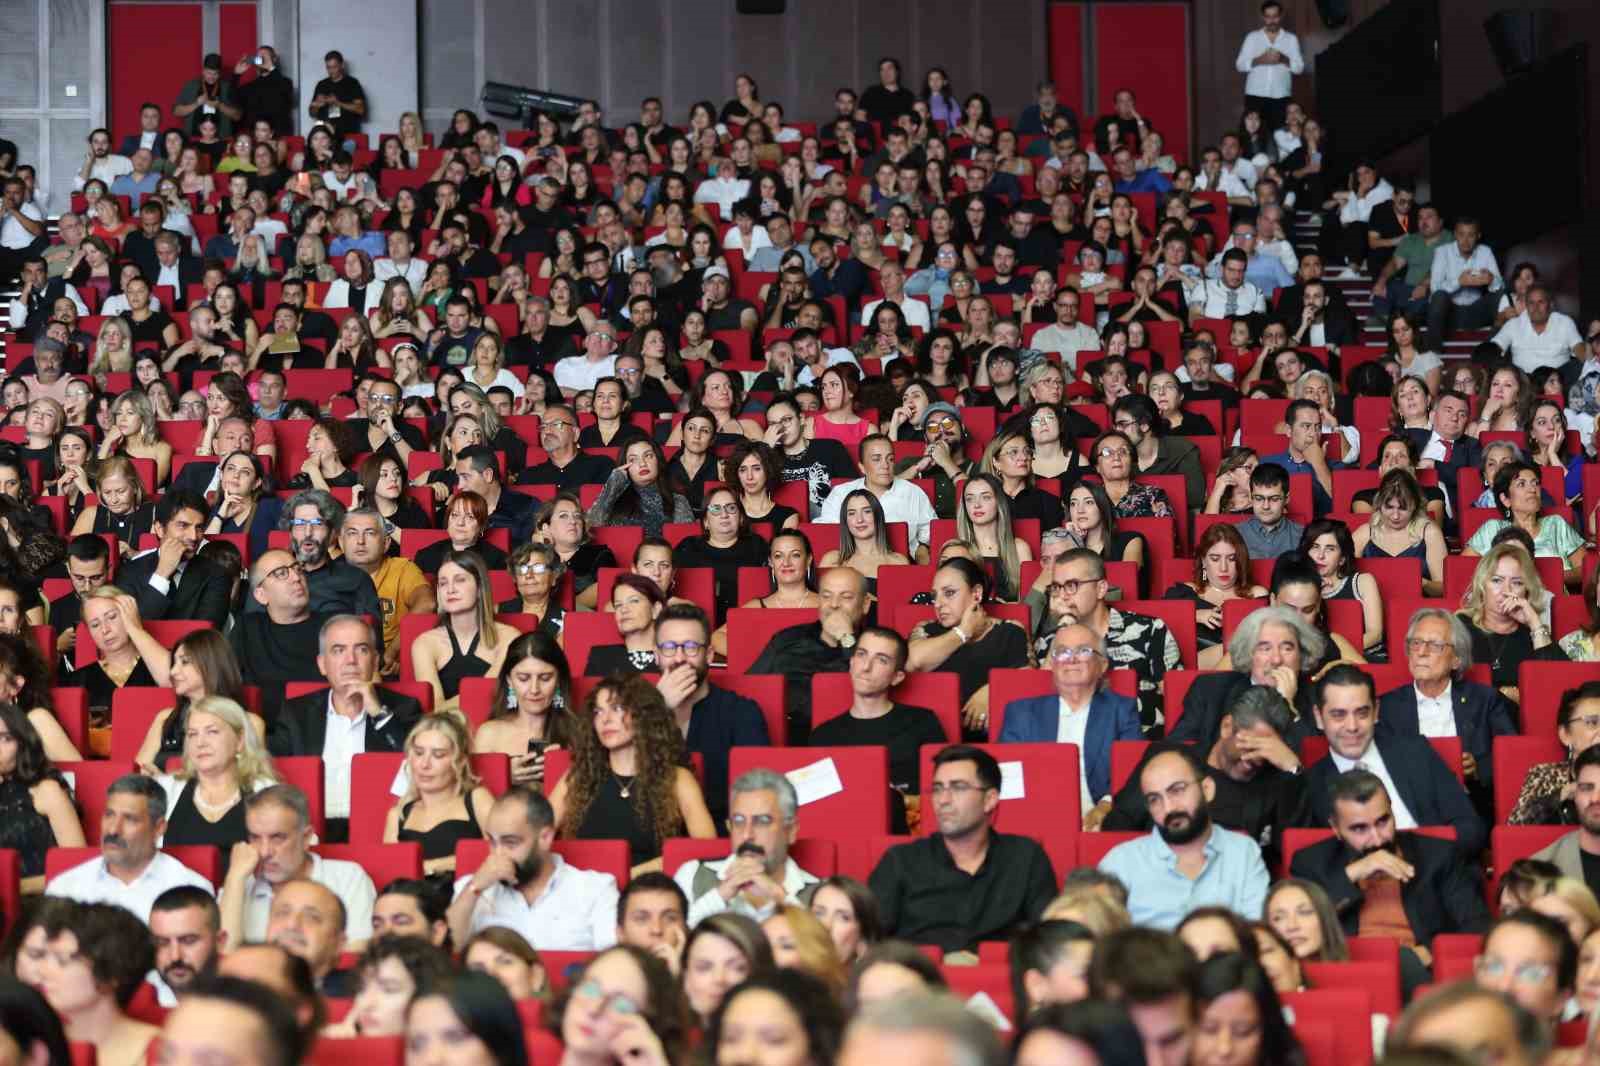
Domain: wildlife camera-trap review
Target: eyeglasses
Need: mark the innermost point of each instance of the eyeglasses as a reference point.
(955, 788)
(1114, 453)
(617, 1001)
(1071, 586)
(1432, 647)
(1080, 654)
(283, 573)
(561, 425)
(760, 821)
(1254, 498)
(301, 523)
(1528, 973)
(532, 570)
(384, 398)
(628, 373)
(1588, 721)
(688, 647)
(1124, 423)
(940, 422)
(717, 509)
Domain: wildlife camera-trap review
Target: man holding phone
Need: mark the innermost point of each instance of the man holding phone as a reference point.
(270, 95)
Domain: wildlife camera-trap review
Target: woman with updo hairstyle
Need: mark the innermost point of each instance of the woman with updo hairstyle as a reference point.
(562, 524)
(788, 1016)
(531, 712)
(966, 640)
(625, 997)
(536, 571)
(628, 779)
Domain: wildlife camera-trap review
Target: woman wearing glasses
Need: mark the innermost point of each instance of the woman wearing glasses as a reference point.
(1547, 792)
(626, 1006)
(535, 570)
(726, 544)
(1517, 490)
(1009, 458)
(1113, 461)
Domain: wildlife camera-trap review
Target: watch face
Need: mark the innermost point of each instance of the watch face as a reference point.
(847, 641)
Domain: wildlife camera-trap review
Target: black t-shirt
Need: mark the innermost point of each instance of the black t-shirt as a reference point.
(360, 428)
(555, 345)
(697, 551)
(885, 105)
(728, 317)
(519, 245)
(346, 88)
(1004, 647)
(151, 329)
(903, 732)
(585, 469)
(820, 462)
(1591, 870)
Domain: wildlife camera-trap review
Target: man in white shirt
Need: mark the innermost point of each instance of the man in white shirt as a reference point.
(578, 373)
(1230, 295)
(22, 228)
(1273, 240)
(724, 190)
(487, 138)
(1067, 337)
(1464, 282)
(400, 263)
(1269, 59)
(277, 851)
(758, 876)
(901, 500)
(1541, 336)
(892, 276)
(131, 870)
(1233, 161)
(524, 886)
(101, 162)
(1212, 178)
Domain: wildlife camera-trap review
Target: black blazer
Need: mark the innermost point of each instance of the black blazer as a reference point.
(1212, 694)
(1481, 714)
(1444, 896)
(301, 724)
(1428, 787)
(202, 593)
(1465, 452)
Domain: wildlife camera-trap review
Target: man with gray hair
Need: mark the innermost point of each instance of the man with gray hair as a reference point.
(350, 717)
(1441, 702)
(312, 518)
(131, 870)
(758, 876)
(1259, 789)
(1273, 646)
(930, 1030)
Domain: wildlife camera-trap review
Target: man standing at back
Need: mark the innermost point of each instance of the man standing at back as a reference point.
(1269, 59)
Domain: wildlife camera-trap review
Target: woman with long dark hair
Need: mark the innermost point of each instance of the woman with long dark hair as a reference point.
(36, 811)
(203, 664)
(469, 1020)
(1241, 1020)
(532, 708)
(637, 493)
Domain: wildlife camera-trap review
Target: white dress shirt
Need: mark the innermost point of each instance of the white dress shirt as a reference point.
(1372, 762)
(795, 881)
(1449, 264)
(1216, 300)
(1435, 716)
(1067, 341)
(347, 880)
(913, 309)
(108, 168)
(1531, 350)
(804, 376)
(1271, 80)
(1244, 170)
(343, 739)
(577, 911)
(904, 502)
(1071, 725)
(724, 192)
(19, 311)
(91, 882)
(734, 241)
(13, 234)
(1359, 208)
(1227, 184)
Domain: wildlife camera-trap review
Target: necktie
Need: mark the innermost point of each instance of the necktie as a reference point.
(1449, 446)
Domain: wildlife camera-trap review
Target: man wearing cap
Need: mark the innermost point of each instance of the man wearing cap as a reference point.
(209, 94)
(721, 310)
(901, 500)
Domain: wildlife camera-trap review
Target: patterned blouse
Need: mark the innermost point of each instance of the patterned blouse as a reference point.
(1134, 642)
(1539, 803)
(1144, 501)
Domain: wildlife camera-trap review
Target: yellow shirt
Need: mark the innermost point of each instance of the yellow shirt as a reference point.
(397, 580)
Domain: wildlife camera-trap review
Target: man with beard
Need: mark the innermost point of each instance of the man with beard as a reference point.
(526, 887)
(1389, 882)
(1188, 861)
(1578, 853)
(823, 646)
(965, 882)
(169, 581)
(311, 517)
(1257, 786)
(713, 720)
(276, 851)
(565, 466)
(1421, 788)
(759, 875)
(187, 930)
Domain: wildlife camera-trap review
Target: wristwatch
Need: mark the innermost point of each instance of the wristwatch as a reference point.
(847, 641)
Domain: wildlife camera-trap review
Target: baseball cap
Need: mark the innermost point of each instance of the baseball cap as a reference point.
(940, 408)
(715, 271)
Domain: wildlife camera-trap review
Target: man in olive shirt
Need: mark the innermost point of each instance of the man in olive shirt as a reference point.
(1406, 279)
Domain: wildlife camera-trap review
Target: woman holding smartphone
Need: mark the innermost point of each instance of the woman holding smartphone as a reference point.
(530, 713)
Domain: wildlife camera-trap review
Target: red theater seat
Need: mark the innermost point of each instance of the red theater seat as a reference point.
(862, 807)
(606, 856)
(382, 862)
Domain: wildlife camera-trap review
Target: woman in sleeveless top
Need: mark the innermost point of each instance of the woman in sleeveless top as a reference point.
(36, 811)
(1401, 529)
(627, 780)
(126, 652)
(467, 642)
(444, 800)
(1329, 546)
(863, 539)
(789, 562)
(203, 664)
(531, 713)
(121, 508)
(224, 760)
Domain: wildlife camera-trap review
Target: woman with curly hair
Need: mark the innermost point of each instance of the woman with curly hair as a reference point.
(755, 468)
(623, 994)
(36, 810)
(25, 681)
(627, 780)
(99, 955)
(329, 453)
(393, 971)
(444, 801)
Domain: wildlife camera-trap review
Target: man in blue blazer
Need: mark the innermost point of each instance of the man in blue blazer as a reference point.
(1441, 702)
(1422, 789)
(1080, 713)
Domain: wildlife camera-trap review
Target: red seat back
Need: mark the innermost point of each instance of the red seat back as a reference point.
(382, 862)
(751, 629)
(605, 856)
(861, 807)
(1040, 795)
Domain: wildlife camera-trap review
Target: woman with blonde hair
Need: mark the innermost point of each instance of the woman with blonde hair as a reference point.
(133, 433)
(1090, 908)
(800, 941)
(412, 138)
(121, 508)
(224, 760)
(1506, 611)
(203, 666)
(985, 520)
(486, 368)
(443, 799)
(627, 780)
(1400, 528)
(113, 349)
(466, 614)
(310, 261)
(1570, 901)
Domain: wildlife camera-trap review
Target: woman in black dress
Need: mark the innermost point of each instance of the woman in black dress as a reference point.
(755, 468)
(121, 507)
(1504, 610)
(444, 803)
(36, 811)
(466, 520)
(1009, 457)
(627, 780)
(224, 760)
(725, 546)
(536, 571)
(126, 652)
(695, 466)
(966, 640)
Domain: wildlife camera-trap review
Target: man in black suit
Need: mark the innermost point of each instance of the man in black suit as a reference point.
(370, 717)
(1441, 702)
(172, 267)
(170, 582)
(1447, 448)
(1321, 322)
(1292, 298)
(1371, 871)
(200, 477)
(149, 135)
(1267, 648)
(89, 567)
(1423, 790)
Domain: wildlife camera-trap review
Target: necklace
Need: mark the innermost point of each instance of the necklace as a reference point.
(215, 808)
(624, 785)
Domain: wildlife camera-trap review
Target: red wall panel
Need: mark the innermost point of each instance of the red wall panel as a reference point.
(1066, 55)
(152, 50)
(1145, 47)
(237, 32)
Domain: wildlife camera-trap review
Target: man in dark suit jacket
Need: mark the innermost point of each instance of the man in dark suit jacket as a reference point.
(1093, 715)
(1438, 651)
(1212, 694)
(1423, 789)
(1367, 864)
(1448, 447)
(1292, 299)
(149, 131)
(377, 718)
(171, 582)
